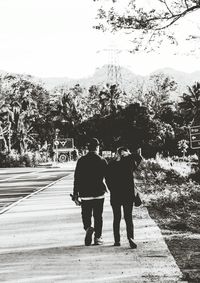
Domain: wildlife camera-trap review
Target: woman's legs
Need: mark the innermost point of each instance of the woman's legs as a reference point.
(128, 210)
(116, 221)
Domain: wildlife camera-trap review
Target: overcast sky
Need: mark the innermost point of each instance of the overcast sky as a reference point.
(55, 38)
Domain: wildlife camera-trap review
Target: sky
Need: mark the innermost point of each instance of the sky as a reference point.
(55, 38)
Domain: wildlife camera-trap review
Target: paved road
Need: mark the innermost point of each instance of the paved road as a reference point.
(17, 183)
(42, 238)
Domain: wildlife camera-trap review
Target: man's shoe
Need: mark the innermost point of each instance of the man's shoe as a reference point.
(132, 244)
(88, 236)
(98, 241)
(117, 244)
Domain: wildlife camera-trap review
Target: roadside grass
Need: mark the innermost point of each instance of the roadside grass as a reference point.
(172, 197)
(172, 193)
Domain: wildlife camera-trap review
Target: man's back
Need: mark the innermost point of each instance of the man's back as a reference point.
(89, 174)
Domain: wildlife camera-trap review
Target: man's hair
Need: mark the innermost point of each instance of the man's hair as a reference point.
(93, 144)
(122, 148)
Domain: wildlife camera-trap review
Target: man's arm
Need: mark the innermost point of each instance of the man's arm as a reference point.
(105, 165)
(77, 174)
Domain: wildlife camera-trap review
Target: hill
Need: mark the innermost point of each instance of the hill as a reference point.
(128, 78)
(100, 77)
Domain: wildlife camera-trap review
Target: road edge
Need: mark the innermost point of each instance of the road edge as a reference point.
(7, 208)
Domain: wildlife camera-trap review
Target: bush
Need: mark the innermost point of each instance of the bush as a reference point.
(11, 160)
(14, 159)
(177, 204)
(153, 172)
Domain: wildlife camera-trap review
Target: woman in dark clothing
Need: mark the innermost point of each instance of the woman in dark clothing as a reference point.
(120, 182)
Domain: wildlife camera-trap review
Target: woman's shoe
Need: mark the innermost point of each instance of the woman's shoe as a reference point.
(132, 244)
(117, 244)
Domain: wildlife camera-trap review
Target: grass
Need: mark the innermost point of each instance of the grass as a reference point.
(173, 200)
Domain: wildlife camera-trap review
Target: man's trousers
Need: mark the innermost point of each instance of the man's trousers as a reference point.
(93, 208)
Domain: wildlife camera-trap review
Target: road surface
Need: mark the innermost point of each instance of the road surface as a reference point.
(17, 183)
(42, 240)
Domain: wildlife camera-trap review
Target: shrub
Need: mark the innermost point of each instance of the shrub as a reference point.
(171, 195)
(14, 159)
(151, 172)
(178, 204)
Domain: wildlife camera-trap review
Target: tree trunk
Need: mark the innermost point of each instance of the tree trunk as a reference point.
(198, 152)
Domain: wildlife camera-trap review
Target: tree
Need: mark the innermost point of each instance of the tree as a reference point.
(160, 137)
(24, 88)
(22, 111)
(109, 98)
(17, 123)
(68, 108)
(128, 126)
(147, 21)
(190, 105)
(105, 100)
(156, 97)
(183, 146)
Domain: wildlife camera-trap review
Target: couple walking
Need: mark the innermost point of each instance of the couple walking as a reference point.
(89, 186)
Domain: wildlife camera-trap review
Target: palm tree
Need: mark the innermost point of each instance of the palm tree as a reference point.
(191, 107)
(16, 122)
(191, 104)
(109, 98)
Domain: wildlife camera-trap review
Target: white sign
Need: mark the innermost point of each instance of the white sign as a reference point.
(106, 154)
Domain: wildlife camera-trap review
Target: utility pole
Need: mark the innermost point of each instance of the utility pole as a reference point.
(114, 74)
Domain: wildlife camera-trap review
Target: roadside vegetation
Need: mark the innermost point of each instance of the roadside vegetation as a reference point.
(171, 191)
(146, 116)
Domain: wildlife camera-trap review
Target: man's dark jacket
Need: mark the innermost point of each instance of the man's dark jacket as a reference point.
(120, 180)
(89, 175)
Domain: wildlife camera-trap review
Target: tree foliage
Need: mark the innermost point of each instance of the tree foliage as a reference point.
(157, 96)
(190, 104)
(105, 100)
(23, 105)
(147, 21)
(30, 116)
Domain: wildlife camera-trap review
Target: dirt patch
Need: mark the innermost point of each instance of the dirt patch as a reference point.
(184, 246)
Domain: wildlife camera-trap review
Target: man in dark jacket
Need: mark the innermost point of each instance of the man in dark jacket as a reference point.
(120, 182)
(89, 186)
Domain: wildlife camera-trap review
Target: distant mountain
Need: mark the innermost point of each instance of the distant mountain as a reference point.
(129, 79)
(100, 77)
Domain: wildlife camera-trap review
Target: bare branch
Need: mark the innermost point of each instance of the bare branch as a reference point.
(143, 23)
(165, 3)
(171, 23)
(186, 4)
